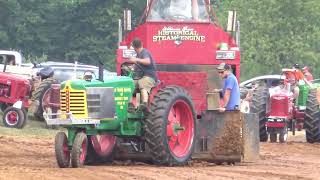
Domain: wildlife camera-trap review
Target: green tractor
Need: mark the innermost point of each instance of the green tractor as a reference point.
(103, 123)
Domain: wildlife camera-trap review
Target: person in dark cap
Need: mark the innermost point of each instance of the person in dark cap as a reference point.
(230, 91)
(147, 63)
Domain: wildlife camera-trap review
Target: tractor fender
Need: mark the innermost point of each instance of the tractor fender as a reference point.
(18, 105)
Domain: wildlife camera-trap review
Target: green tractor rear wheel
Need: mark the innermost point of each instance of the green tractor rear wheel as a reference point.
(170, 131)
(100, 149)
(312, 119)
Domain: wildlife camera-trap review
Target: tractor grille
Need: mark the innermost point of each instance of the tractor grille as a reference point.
(94, 104)
(4, 90)
(74, 104)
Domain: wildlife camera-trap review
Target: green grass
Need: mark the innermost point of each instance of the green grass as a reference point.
(32, 128)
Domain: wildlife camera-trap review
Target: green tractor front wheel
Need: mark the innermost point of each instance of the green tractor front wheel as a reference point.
(62, 150)
(79, 150)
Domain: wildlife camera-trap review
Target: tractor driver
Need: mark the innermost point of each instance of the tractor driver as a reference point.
(145, 60)
(295, 77)
(177, 10)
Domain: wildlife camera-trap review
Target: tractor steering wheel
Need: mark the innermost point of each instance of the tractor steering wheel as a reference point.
(128, 68)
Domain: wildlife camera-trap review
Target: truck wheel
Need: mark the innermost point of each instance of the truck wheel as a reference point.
(62, 150)
(41, 94)
(312, 118)
(273, 137)
(100, 149)
(259, 102)
(79, 150)
(14, 118)
(283, 136)
(170, 128)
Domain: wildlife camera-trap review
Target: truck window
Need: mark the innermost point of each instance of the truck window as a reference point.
(178, 10)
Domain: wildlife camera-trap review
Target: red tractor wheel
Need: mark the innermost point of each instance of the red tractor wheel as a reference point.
(259, 106)
(100, 149)
(273, 137)
(171, 127)
(283, 136)
(13, 117)
(41, 94)
(62, 150)
(79, 150)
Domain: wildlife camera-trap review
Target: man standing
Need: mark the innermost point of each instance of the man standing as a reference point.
(145, 60)
(230, 91)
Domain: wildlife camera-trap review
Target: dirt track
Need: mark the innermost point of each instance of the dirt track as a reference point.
(31, 157)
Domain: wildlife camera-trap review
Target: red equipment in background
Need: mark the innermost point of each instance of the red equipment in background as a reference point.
(283, 114)
(280, 114)
(14, 96)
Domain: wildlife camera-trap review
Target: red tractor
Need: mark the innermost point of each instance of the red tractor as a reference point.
(280, 108)
(15, 91)
(281, 113)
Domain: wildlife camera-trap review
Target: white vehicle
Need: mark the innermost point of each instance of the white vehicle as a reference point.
(268, 80)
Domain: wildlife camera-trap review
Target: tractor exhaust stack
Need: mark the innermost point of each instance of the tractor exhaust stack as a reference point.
(101, 71)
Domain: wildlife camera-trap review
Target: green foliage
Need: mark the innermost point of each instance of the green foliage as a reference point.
(277, 34)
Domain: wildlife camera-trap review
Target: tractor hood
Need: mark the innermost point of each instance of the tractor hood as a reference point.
(116, 81)
(13, 77)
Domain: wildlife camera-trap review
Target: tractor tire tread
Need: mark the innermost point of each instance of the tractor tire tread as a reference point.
(160, 153)
(312, 118)
(38, 95)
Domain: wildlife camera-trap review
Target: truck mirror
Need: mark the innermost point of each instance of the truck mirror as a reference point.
(127, 20)
(232, 17)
